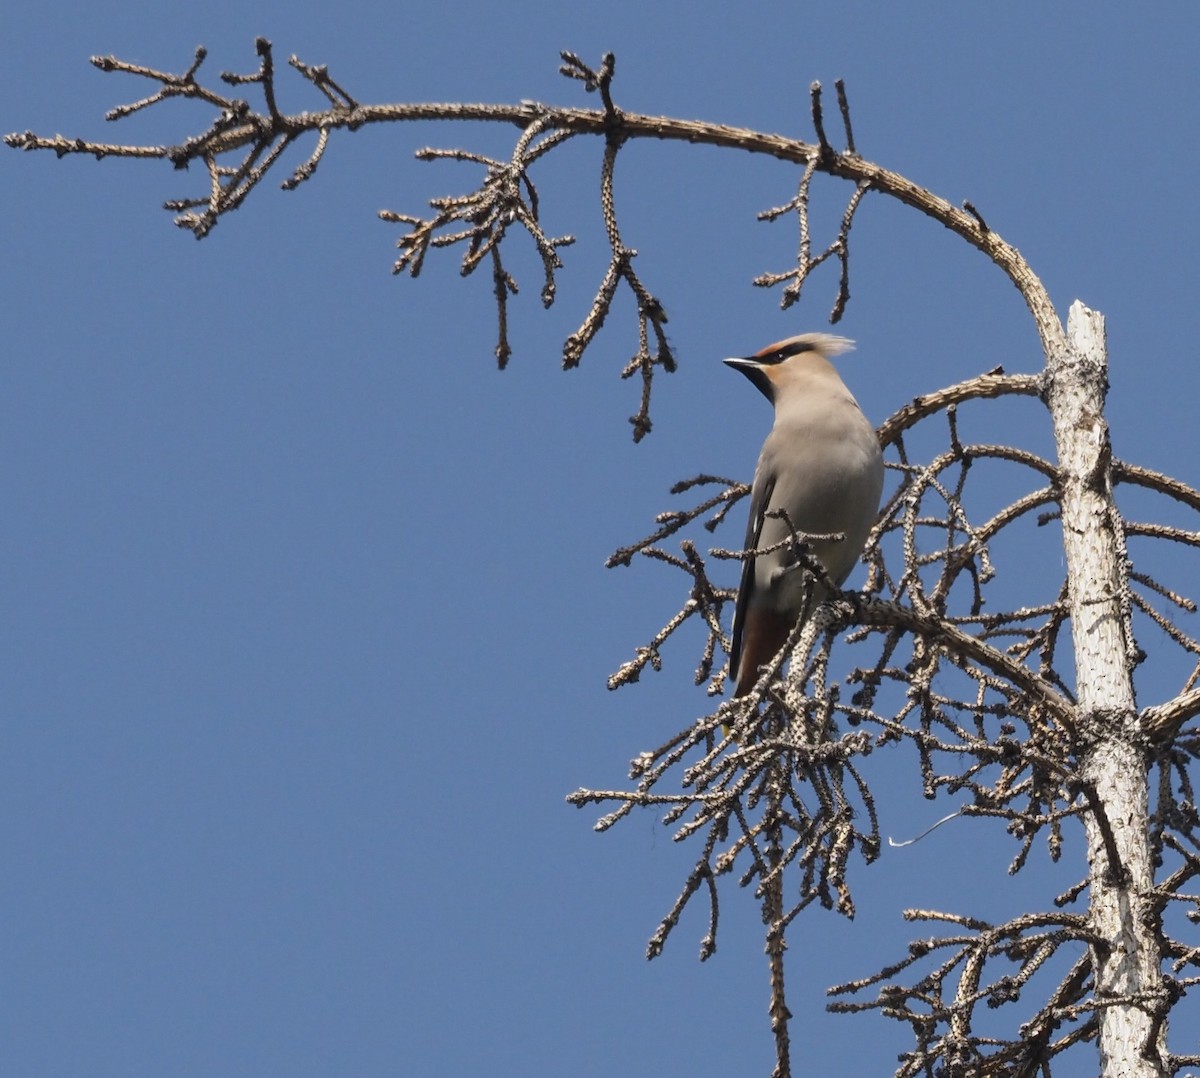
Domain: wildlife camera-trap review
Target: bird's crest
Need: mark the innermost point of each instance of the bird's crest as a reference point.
(827, 345)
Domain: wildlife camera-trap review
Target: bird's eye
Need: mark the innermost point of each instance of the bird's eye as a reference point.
(785, 351)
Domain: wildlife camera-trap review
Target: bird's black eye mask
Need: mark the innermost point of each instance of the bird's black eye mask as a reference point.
(786, 352)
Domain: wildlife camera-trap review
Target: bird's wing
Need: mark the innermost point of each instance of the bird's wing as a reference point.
(760, 501)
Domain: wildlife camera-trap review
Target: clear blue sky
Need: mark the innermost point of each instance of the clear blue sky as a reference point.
(305, 622)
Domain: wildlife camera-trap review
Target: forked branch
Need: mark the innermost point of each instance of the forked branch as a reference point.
(242, 144)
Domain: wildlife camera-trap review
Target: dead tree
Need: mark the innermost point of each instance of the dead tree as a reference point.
(1028, 709)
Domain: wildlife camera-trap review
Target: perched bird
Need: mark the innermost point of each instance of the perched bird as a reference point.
(822, 466)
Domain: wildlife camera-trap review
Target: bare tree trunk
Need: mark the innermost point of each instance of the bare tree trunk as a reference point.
(1126, 958)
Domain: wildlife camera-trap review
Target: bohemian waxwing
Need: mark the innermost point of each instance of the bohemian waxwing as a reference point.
(822, 465)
